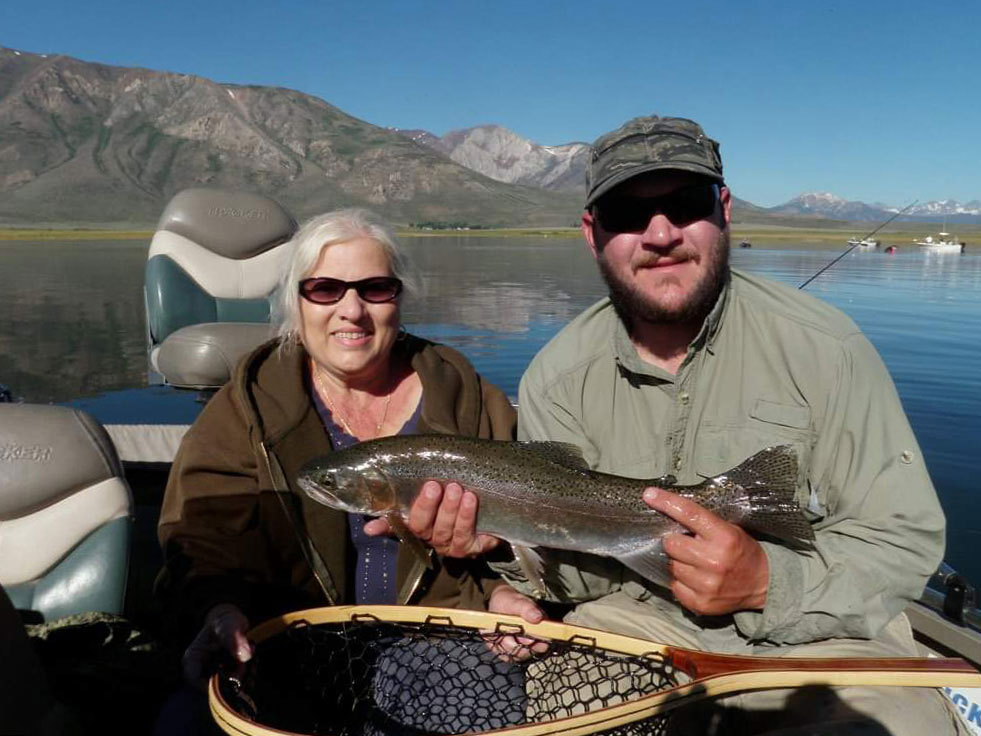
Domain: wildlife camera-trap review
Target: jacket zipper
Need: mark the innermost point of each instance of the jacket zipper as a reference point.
(305, 543)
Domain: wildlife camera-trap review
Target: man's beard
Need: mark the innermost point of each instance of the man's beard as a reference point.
(631, 304)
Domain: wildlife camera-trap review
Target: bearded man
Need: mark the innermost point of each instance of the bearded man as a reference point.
(688, 368)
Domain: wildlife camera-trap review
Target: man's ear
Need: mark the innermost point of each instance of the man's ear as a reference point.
(725, 200)
(587, 225)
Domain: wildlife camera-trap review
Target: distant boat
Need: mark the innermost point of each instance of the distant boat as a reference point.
(864, 243)
(745, 244)
(943, 244)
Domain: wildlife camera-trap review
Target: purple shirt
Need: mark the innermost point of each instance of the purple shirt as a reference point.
(374, 569)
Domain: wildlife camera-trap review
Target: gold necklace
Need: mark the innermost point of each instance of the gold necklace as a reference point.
(333, 409)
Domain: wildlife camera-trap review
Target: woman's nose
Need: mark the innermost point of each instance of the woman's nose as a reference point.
(350, 305)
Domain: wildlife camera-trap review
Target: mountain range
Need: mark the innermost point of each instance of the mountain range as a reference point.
(825, 204)
(93, 144)
(86, 143)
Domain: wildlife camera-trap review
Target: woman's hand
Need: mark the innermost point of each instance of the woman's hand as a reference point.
(505, 599)
(222, 636)
(445, 519)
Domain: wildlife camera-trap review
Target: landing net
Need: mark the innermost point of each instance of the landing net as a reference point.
(380, 678)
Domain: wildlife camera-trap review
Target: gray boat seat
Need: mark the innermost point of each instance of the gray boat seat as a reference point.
(213, 262)
(65, 512)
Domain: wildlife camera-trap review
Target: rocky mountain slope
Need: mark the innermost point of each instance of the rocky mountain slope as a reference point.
(503, 155)
(83, 142)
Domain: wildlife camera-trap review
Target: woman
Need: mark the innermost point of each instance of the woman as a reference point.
(241, 542)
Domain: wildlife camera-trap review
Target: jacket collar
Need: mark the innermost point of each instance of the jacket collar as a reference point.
(272, 389)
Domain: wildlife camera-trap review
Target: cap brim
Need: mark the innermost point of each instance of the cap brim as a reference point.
(621, 177)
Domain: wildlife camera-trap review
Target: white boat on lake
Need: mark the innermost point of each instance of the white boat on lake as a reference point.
(864, 243)
(943, 243)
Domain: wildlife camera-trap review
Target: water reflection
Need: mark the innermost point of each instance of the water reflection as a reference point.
(500, 284)
(72, 321)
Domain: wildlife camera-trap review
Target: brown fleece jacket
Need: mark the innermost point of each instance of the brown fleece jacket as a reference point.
(227, 534)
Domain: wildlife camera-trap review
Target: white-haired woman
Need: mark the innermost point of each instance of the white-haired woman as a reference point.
(237, 548)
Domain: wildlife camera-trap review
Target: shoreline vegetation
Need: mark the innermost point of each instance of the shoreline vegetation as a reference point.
(757, 235)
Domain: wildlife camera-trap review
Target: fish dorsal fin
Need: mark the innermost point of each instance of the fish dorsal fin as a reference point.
(565, 454)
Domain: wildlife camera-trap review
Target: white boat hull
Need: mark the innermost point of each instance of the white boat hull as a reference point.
(941, 247)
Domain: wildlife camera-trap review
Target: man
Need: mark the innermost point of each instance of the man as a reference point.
(689, 368)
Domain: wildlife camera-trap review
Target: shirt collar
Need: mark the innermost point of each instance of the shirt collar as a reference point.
(713, 322)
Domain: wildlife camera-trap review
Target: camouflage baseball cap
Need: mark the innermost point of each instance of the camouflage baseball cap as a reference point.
(650, 144)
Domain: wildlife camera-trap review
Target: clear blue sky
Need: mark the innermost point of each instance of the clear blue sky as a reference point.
(876, 101)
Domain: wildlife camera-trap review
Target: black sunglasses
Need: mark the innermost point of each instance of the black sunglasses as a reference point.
(377, 289)
(624, 214)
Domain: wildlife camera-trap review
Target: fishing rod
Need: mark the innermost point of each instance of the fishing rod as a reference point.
(857, 242)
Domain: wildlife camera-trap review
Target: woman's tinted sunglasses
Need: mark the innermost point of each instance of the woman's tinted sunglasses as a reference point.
(624, 214)
(377, 289)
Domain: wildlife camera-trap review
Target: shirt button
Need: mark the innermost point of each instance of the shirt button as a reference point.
(906, 456)
(677, 463)
(683, 397)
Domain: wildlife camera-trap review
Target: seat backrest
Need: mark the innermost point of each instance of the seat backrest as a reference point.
(65, 512)
(213, 262)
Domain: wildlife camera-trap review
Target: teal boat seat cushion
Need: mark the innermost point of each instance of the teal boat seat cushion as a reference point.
(175, 300)
(92, 577)
(65, 512)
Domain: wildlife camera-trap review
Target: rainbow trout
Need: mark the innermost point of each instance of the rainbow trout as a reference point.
(542, 494)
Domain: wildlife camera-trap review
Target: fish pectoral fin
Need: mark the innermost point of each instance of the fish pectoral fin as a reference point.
(565, 454)
(532, 566)
(415, 545)
(650, 562)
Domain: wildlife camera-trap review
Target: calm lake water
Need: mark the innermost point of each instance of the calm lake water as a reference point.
(72, 325)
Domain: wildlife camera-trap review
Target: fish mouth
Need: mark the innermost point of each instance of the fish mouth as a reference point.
(318, 492)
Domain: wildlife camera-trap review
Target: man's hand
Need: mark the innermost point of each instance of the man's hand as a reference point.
(505, 599)
(223, 633)
(446, 520)
(717, 569)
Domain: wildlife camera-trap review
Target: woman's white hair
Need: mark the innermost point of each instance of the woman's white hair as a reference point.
(323, 231)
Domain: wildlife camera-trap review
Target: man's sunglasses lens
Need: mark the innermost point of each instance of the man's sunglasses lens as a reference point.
(633, 214)
(376, 290)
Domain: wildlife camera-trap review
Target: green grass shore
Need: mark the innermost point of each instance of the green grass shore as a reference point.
(73, 234)
(761, 235)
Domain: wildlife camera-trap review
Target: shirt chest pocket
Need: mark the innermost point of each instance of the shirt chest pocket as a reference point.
(768, 424)
(792, 418)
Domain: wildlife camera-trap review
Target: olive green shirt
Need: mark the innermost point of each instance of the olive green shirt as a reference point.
(771, 366)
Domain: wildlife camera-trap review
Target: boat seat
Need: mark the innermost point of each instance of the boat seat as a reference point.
(213, 262)
(65, 513)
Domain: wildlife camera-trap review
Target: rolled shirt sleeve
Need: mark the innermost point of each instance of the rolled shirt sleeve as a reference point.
(882, 531)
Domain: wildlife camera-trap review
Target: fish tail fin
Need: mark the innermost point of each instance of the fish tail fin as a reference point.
(770, 480)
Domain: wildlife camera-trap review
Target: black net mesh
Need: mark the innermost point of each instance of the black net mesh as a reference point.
(381, 678)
